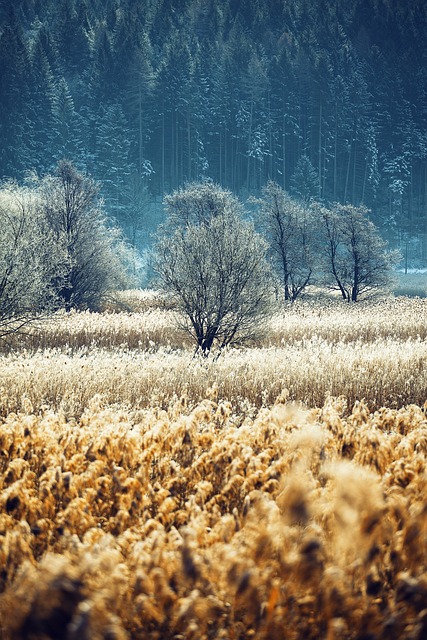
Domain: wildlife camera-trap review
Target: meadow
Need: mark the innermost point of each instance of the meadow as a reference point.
(277, 491)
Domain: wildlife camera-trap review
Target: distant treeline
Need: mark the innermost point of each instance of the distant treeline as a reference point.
(148, 95)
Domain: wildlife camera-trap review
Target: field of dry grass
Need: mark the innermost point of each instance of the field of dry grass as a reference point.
(311, 351)
(275, 492)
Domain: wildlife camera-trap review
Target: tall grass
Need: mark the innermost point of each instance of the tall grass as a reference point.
(393, 374)
(277, 491)
(373, 352)
(181, 524)
(152, 326)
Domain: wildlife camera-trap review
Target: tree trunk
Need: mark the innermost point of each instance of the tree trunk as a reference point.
(356, 283)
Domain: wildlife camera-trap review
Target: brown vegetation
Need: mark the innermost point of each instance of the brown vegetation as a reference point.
(218, 512)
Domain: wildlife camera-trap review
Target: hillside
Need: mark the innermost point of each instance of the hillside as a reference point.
(148, 95)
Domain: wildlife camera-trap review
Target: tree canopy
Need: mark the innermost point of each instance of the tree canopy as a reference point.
(211, 263)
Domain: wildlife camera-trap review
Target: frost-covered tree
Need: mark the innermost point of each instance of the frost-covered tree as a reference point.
(212, 264)
(197, 203)
(290, 228)
(356, 260)
(98, 259)
(31, 262)
(56, 248)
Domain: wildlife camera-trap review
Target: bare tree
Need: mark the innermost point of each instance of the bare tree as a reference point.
(356, 260)
(99, 260)
(212, 263)
(31, 262)
(290, 229)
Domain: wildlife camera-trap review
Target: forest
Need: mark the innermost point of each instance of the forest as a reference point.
(326, 98)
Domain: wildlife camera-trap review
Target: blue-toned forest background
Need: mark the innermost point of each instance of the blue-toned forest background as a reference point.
(329, 96)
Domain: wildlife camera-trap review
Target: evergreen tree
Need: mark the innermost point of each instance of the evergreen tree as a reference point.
(40, 118)
(305, 183)
(141, 82)
(66, 128)
(100, 86)
(112, 157)
(71, 35)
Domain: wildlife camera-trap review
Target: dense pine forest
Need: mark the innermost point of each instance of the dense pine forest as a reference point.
(328, 98)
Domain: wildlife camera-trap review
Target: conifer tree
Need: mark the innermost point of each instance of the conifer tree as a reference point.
(305, 184)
